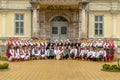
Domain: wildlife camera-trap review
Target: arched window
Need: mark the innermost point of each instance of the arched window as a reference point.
(59, 18)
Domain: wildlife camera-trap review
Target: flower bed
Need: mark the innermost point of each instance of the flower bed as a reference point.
(111, 68)
(4, 66)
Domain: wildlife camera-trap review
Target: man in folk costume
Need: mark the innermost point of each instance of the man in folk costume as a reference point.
(77, 55)
(84, 53)
(73, 52)
(90, 54)
(102, 54)
(43, 53)
(50, 53)
(35, 51)
(65, 52)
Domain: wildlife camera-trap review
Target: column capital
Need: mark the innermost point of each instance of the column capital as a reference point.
(34, 3)
(83, 4)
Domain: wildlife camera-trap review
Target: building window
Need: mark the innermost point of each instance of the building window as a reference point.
(54, 30)
(64, 30)
(98, 26)
(19, 23)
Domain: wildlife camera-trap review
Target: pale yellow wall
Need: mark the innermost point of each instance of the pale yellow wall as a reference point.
(118, 25)
(0, 24)
(10, 26)
(107, 25)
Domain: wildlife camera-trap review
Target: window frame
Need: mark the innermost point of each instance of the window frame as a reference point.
(98, 22)
(19, 23)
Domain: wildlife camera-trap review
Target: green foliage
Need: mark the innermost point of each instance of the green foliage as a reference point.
(108, 67)
(4, 66)
(3, 58)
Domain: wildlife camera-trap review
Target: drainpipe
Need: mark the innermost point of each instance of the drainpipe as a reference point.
(88, 19)
(31, 22)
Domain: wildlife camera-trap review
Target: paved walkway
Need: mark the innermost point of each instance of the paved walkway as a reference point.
(57, 70)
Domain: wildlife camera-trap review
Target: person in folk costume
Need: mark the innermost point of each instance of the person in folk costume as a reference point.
(8, 52)
(57, 51)
(12, 54)
(94, 43)
(102, 54)
(99, 43)
(77, 55)
(95, 55)
(26, 53)
(50, 53)
(73, 52)
(84, 53)
(65, 52)
(35, 51)
(90, 54)
(111, 50)
(20, 53)
(43, 52)
(60, 46)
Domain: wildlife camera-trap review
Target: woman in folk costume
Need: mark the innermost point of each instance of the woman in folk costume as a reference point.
(8, 52)
(57, 52)
(12, 54)
(20, 53)
(50, 53)
(65, 52)
(110, 55)
(27, 53)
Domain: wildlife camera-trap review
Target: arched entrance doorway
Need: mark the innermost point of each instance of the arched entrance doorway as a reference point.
(59, 28)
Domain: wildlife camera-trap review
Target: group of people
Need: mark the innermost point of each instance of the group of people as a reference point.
(95, 50)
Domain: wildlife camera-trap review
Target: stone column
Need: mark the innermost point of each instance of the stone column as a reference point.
(3, 24)
(82, 19)
(113, 25)
(35, 4)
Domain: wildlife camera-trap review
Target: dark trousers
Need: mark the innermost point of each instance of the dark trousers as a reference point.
(65, 57)
(50, 57)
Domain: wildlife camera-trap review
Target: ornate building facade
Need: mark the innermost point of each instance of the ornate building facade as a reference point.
(60, 19)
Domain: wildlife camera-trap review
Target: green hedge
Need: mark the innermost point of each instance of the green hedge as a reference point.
(4, 66)
(107, 67)
(3, 58)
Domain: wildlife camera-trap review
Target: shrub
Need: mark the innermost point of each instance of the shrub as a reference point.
(4, 66)
(107, 67)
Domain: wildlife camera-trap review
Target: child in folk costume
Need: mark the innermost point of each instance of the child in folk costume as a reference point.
(65, 52)
(73, 52)
(50, 53)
